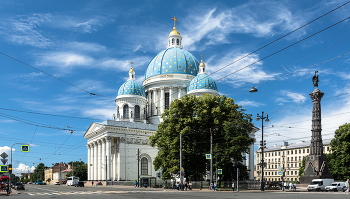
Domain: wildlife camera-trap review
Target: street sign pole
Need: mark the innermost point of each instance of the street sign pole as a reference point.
(23, 149)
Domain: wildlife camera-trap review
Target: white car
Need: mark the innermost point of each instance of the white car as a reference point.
(335, 186)
(57, 183)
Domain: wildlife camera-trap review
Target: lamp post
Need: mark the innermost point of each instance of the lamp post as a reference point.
(262, 146)
(138, 166)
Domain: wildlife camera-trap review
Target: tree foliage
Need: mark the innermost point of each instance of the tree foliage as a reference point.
(80, 170)
(195, 118)
(339, 158)
(39, 172)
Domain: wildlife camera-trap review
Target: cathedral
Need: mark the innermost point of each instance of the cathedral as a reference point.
(118, 149)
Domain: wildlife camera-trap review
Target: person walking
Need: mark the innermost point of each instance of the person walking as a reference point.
(347, 186)
(135, 184)
(190, 185)
(233, 186)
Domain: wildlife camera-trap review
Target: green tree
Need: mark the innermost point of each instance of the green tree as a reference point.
(196, 118)
(302, 167)
(339, 158)
(80, 170)
(39, 172)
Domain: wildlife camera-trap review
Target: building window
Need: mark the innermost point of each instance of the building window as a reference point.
(178, 42)
(327, 148)
(308, 151)
(167, 103)
(137, 112)
(291, 152)
(287, 152)
(303, 150)
(144, 166)
(299, 151)
(173, 41)
(125, 111)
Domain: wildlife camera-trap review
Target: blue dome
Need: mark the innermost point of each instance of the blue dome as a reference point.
(173, 60)
(202, 81)
(131, 87)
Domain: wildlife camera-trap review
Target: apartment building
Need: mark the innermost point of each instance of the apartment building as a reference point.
(284, 159)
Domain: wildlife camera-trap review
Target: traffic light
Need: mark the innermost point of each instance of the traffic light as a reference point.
(10, 168)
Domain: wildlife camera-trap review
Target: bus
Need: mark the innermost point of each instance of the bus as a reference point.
(71, 181)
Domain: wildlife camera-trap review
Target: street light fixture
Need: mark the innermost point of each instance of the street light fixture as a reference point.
(262, 146)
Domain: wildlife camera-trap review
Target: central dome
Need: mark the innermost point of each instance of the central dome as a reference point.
(173, 60)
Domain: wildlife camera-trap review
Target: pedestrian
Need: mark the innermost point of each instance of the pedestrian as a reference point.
(347, 186)
(290, 186)
(186, 186)
(294, 187)
(92, 183)
(284, 185)
(233, 186)
(135, 184)
(190, 185)
(215, 187)
(281, 186)
(211, 186)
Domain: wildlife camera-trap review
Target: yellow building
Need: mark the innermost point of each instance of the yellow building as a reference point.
(285, 159)
(55, 173)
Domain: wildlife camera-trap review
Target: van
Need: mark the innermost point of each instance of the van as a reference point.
(319, 184)
(335, 186)
(71, 181)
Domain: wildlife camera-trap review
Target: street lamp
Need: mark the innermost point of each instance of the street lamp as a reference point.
(262, 146)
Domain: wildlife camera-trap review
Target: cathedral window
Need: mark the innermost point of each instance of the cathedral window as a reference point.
(137, 112)
(178, 42)
(172, 41)
(126, 111)
(167, 103)
(144, 166)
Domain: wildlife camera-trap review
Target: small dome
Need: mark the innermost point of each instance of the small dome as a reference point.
(202, 81)
(173, 60)
(131, 87)
(174, 32)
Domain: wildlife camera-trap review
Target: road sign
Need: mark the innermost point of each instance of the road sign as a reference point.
(4, 168)
(208, 156)
(220, 171)
(25, 148)
(280, 173)
(4, 161)
(4, 155)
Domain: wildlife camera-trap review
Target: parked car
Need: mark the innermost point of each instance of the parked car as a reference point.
(335, 186)
(57, 183)
(79, 184)
(19, 185)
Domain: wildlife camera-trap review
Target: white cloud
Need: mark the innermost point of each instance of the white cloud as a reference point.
(84, 46)
(214, 26)
(289, 96)
(233, 74)
(249, 103)
(102, 113)
(25, 30)
(23, 168)
(64, 59)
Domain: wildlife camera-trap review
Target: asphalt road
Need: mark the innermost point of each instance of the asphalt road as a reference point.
(122, 192)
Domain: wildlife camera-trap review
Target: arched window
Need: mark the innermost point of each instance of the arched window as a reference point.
(178, 42)
(144, 166)
(173, 41)
(137, 112)
(125, 111)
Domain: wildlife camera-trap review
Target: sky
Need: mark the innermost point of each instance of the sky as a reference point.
(62, 63)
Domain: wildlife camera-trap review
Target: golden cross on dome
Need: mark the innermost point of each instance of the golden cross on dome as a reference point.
(175, 20)
(201, 56)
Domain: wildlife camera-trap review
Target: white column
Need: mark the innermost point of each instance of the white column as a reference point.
(89, 161)
(149, 93)
(154, 102)
(103, 160)
(162, 100)
(108, 154)
(170, 95)
(179, 92)
(251, 162)
(99, 154)
(95, 164)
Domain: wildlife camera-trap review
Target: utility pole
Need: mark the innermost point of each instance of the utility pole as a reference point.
(181, 169)
(211, 155)
(138, 167)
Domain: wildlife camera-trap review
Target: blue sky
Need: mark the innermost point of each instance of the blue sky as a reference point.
(86, 47)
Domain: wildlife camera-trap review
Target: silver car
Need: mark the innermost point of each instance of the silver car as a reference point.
(335, 186)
